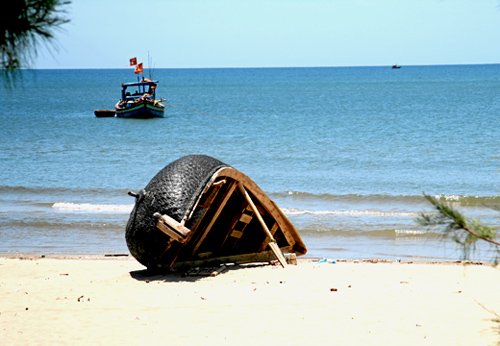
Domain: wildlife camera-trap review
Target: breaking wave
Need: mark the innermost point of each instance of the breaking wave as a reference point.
(293, 211)
(115, 208)
(461, 200)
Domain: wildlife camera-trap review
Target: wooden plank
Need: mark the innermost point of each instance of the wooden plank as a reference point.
(165, 229)
(272, 243)
(291, 258)
(272, 230)
(265, 256)
(172, 228)
(246, 218)
(232, 229)
(236, 234)
(214, 218)
(213, 193)
(291, 235)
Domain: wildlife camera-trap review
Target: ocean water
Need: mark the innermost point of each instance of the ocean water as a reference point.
(345, 152)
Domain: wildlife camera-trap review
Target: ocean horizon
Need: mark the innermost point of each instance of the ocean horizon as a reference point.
(147, 68)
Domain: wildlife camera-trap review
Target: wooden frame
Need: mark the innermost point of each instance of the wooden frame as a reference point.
(232, 220)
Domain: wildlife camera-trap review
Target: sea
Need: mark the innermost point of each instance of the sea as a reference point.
(345, 152)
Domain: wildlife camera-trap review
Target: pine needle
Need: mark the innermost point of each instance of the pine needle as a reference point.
(464, 231)
(23, 26)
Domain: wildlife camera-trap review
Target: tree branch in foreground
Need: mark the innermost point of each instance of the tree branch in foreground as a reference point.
(24, 24)
(461, 229)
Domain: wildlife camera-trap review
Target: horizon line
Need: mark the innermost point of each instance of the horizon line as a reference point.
(257, 67)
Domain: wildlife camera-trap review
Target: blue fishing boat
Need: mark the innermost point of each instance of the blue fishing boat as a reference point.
(139, 101)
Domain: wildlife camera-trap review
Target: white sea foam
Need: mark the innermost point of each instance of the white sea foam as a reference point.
(409, 232)
(117, 208)
(293, 211)
(449, 198)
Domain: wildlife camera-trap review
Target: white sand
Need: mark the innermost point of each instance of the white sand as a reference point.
(111, 302)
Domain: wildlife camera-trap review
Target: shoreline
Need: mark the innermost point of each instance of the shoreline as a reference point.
(301, 259)
(114, 300)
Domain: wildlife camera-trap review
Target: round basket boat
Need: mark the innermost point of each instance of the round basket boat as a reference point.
(199, 210)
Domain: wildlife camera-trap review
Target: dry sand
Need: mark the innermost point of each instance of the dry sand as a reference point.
(48, 301)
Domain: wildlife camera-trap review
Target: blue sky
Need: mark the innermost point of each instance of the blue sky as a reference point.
(276, 33)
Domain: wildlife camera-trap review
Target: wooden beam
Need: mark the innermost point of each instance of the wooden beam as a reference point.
(236, 234)
(209, 198)
(272, 243)
(246, 218)
(214, 218)
(172, 228)
(233, 235)
(273, 231)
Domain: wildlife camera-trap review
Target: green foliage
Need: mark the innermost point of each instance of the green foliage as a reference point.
(456, 226)
(464, 231)
(24, 24)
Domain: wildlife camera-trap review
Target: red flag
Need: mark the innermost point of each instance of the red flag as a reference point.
(133, 62)
(138, 68)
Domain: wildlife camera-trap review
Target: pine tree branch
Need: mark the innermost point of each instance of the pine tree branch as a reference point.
(23, 26)
(478, 236)
(463, 230)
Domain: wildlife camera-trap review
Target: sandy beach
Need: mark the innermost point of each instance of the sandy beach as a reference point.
(113, 301)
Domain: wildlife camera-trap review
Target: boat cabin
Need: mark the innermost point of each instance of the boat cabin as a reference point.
(143, 89)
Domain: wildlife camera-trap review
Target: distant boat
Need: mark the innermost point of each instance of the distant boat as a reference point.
(139, 101)
(395, 66)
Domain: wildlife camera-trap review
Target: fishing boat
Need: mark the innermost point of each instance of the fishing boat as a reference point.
(199, 211)
(395, 66)
(138, 100)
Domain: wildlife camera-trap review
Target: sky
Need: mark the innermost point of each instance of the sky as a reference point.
(275, 33)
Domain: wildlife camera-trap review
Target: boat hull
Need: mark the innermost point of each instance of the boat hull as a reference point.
(142, 110)
(104, 113)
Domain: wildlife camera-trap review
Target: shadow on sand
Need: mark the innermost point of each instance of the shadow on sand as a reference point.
(189, 275)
